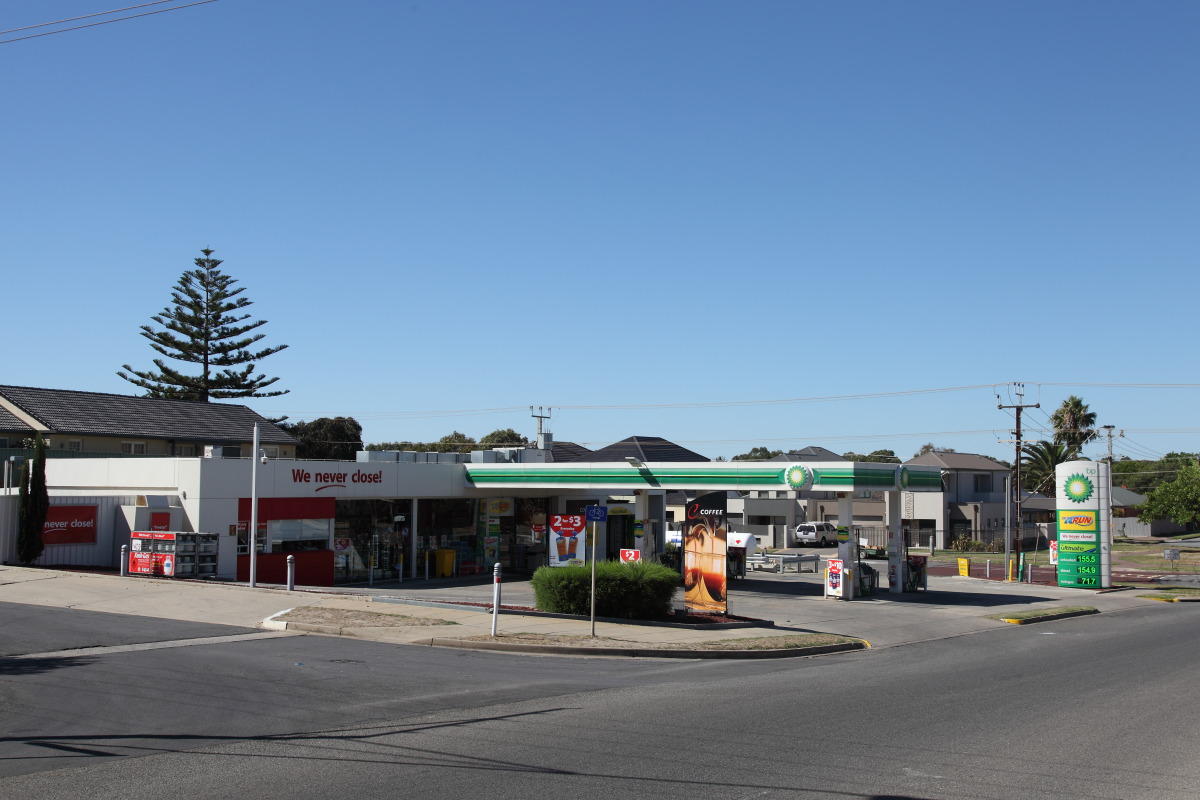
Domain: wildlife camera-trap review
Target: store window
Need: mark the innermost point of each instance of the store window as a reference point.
(371, 531)
(446, 524)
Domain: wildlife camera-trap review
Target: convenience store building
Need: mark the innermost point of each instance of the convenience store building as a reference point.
(336, 517)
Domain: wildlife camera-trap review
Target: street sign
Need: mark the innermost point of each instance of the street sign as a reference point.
(596, 513)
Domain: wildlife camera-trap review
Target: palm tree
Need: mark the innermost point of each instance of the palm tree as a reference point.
(1038, 461)
(1074, 425)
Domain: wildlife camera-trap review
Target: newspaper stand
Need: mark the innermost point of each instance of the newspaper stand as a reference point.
(173, 554)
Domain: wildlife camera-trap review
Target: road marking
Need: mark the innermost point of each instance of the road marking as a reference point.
(128, 648)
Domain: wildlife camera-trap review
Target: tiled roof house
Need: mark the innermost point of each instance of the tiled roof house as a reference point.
(113, 424)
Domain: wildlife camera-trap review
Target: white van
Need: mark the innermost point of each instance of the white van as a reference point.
(818, 533)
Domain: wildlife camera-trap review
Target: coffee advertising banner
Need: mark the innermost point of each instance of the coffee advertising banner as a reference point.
(704, 553)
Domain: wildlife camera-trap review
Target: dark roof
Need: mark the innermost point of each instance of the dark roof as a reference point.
(645, 448)
(1126, 497)
(94, 414)
(936, 458)
(810, 453)
(8, 422)
(569, 451)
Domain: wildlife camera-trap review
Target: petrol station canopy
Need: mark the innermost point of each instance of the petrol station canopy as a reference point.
(839, 476)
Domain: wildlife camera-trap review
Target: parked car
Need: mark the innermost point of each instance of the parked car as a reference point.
(819, 533)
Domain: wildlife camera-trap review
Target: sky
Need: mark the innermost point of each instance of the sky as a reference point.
(858, 225)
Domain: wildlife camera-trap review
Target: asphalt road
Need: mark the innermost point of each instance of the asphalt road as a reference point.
(1091, 707)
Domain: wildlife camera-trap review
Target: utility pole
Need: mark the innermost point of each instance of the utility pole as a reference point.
(1108, 430)
(542, 413)
(1019, 391)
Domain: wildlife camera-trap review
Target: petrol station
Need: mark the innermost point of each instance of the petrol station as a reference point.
(346, 522)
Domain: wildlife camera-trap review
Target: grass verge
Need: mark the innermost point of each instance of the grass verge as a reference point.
(1043, 613)
(786, 642)
(1171, 594)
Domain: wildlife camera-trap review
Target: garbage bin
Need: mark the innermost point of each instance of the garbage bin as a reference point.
(443, 563)
(868, 579)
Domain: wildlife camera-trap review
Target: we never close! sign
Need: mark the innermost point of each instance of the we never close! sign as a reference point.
(70, 525)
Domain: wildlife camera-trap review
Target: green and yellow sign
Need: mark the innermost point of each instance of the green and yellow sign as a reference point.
(1081, 497)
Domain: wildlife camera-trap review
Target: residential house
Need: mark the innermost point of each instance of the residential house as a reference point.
(972, 501)
(92, 424)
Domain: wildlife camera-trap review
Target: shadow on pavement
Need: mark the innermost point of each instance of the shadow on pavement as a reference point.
(37, 666)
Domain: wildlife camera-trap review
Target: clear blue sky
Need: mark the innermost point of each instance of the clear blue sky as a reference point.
(459, 206)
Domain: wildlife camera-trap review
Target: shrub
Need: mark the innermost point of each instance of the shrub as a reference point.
(642, 590)
(965, 544)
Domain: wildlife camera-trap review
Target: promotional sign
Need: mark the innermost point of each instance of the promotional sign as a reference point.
(160, 521)
(70, 525)
(704, 553)
(500, 506)
(1082, 524)
(833, 578)
(629, 556)
(152, 553)
(565, 546)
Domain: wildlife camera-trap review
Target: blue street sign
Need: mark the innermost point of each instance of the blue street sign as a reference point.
(596, 513)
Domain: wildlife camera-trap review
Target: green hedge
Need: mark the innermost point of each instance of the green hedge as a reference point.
(642, 590)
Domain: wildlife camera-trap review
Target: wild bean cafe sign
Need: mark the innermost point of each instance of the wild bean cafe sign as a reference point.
(1082, 517)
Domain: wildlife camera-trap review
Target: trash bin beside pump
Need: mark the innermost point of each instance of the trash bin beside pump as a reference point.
(443, 563)
(868, 579)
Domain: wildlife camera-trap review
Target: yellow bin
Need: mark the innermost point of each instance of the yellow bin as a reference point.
(443, 563)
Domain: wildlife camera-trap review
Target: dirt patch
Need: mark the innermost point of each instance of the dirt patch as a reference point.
(785, 642)
(344, 618)
(690, 618)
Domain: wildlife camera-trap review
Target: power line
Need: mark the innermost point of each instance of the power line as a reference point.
(786, 401)
(94, 24)
(87, 16)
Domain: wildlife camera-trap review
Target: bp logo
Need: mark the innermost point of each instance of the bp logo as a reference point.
(904, 477)
(1078, 488)
(797, 477)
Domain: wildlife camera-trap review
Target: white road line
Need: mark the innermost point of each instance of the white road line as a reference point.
(127, 648)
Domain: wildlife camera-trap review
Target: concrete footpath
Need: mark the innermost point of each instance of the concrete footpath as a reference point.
(422, 612)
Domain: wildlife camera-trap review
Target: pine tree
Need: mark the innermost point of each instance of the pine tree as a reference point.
(202, 327)
(35, 504)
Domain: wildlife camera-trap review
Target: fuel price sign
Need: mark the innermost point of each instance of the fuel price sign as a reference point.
(1082, 525)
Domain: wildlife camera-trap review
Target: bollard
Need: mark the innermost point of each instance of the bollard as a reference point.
(495, 597)
(988, 567)
(124, 560)
(291, 562)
